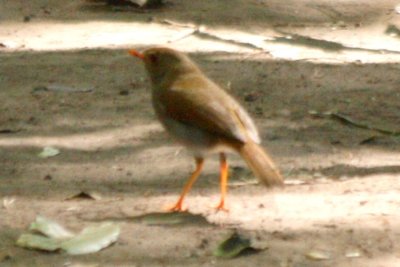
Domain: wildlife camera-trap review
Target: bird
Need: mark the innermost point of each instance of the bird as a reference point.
(204, 118)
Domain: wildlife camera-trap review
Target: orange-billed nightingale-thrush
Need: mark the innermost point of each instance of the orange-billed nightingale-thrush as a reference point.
(203, 117)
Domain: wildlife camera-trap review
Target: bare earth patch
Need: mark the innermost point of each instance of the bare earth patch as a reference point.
(67, 81)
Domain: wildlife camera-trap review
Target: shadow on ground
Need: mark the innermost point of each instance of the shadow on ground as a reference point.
(113, 128)
(257, 14)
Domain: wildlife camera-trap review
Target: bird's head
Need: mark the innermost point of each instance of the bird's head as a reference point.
(164, 63)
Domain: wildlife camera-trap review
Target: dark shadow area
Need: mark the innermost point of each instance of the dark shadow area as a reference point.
(352, 171)
(53, 185)
(165, 219)
(257, 14)
(329, 46)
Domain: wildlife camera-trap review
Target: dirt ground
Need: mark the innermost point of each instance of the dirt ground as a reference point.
(313, 74)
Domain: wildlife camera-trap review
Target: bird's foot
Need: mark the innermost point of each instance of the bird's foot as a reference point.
(178, 207)
(221, 207)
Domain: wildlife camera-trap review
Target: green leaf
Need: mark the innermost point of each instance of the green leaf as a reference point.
(48, 152)
(50, 228)
(92, 239)
(232, 246)
(32, 241)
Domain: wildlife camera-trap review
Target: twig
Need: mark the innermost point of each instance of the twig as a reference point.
(349, 121)
(185, 35)
(200, 32)
(297, 39)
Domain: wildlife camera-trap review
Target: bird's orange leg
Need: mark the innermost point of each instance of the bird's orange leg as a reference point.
(189, 184)
(223, 180)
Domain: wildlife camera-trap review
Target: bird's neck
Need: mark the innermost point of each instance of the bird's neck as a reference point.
(167, 78)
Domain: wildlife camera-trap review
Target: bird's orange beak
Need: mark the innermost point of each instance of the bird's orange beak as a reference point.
(136, 53)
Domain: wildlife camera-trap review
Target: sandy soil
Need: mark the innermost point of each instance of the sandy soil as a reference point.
(342, 194)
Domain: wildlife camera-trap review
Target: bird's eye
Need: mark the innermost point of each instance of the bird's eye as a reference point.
(153, 58)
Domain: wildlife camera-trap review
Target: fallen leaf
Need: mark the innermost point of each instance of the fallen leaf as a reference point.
(55, 237)
(48, 152)
(140, 3)
(85, 195)
(232, 246)
(318, 255)
(73, 208)
(50, 228)
(32, 241)
(392, 30)
(294, 182)
(92, 239)
(8, 202)
(355, 253)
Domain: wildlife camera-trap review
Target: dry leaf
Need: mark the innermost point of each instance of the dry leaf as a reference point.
(32, 241)
(48, 152)
(355, 253)
(294, 182)
(50, 228)
(85, 195)
(318, 255)
(92, 239)
(8, 202)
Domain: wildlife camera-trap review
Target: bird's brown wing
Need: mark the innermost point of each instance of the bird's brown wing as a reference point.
(200, 103)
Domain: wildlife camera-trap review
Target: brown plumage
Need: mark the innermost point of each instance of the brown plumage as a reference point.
(203, 117)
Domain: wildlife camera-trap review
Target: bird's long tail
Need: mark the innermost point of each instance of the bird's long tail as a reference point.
(261, 164)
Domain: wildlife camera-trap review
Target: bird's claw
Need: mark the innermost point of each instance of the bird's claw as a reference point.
(221, 207)
(178, 207)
